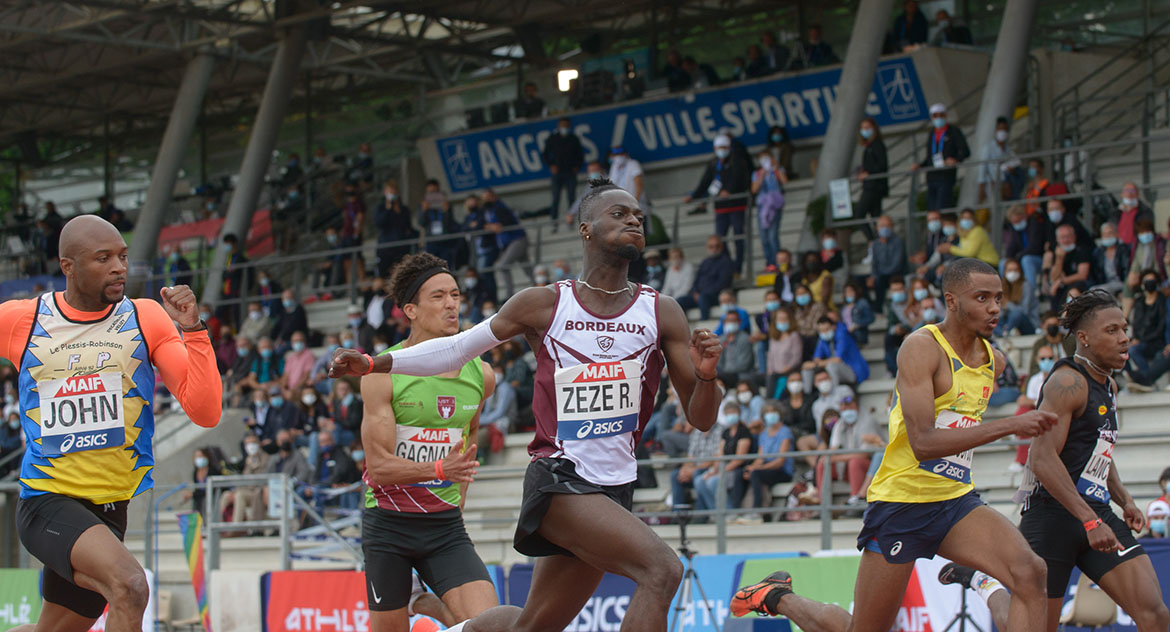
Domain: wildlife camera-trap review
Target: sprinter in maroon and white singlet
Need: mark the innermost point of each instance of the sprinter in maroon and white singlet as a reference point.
(601, 344)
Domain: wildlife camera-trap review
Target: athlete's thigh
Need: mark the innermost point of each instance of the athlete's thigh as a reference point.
(878, 593)
(560, 587)
(99, 559)
(603, 534)
(986, 540)
(470, 599)
(1133, 585)
(58, 618)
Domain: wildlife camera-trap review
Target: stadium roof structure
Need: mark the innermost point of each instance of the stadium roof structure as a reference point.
(93, 69)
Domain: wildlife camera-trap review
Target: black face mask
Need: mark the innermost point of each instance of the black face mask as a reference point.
(1150, 285)
(284, 446)
(1052, 330)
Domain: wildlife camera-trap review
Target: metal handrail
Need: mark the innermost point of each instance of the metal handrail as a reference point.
(1074, 89)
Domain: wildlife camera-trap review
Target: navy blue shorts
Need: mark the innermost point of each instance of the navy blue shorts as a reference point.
(904, 532)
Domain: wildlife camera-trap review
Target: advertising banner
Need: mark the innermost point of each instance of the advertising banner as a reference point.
(20, 597)
(678, 126)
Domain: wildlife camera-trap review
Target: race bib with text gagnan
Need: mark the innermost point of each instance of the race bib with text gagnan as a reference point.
(422, 445)
(600, 399)
(956, 467)
(83, 412)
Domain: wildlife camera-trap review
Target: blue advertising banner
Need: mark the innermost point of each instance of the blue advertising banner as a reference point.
(718, 575)
(680, 125)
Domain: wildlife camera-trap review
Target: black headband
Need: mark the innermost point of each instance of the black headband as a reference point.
(422, 277)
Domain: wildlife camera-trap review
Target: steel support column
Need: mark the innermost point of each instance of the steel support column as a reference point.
(273, 106)
(1008, 65)
(172, 150)
(865, 46)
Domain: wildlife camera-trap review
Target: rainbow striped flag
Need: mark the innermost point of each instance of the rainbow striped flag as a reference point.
(191, 526)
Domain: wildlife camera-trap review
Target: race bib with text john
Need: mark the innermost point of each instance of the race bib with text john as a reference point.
(80, 413)
(600, 399)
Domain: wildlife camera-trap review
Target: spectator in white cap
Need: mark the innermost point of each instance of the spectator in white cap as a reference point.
(946, 148)
(726, 179)
(1158, 513)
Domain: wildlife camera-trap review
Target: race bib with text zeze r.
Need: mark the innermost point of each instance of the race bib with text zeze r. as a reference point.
(83, 412)
(600, 399)
(956, 467)
(423, 445)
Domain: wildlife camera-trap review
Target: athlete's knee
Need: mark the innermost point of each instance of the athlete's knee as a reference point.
(1156, 617)
(1029, 576)
(662, 576)
(129, 589)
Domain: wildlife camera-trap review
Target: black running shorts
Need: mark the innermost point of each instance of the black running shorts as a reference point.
(548, 476)
(436, 544)
(49, 525)
(1057, 536)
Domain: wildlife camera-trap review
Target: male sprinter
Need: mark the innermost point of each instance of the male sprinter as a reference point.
(1067, 518)
(86, 398)
(417, 472)
(600, 344)
(921, 501)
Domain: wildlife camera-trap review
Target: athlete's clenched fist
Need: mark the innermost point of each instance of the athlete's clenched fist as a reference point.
(705, 351)
(179, 303)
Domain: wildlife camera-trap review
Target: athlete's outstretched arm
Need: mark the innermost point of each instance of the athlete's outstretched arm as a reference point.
(527, 311)
(1065, 395)
(380, 438)
(918, 360)
(691, 358)
(187, 364)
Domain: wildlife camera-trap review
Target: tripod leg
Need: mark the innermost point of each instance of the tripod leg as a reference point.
(694, 576)
(684, 597)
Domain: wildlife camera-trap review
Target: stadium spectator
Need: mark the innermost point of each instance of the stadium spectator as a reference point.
(1150, 343)
(776, 441)
(1000, 176)
(225, 350)
(511, 239)
(950, 31)
(677, 78)
(735, 438)
(288, 460)
(11, 440)
(262, 420)
(1020, 305)
(932, 269)
(529, 105)
(837, 353)
(775, 54)
(269, 291)
(701, 446)
(738, 70)
(1015, 234)
(1070, 266)
(814, 272)
(784, 352)
(329, 270)
(934, 237)
(439, 225)
(627, 173)
(830, 394)
(680, 275)
(500, 411)
(394, 222)
(855, 430)
(298, 363)
(655, 272)
(593, 173)
(377, 305)
(807, 312)
(973, 241)
(798, 416)
(832, 255)
(780, 147)
(353, 214)
(714, 275)
(174, 267)
(266, 368)
(286, 413)
(1007, 384)
(728, 305)
(312, 408)
(235, 277)
(757, 65)
(929, 308)
(540, 275)
(1037, 185)
(475, 293)
(1110, 261)
(214, 325)
(737, 361)
(763, 322)
(292, 318)
(564, 157)
(361, 331)
(204, 465)
(873, 161)
(726, 179)
(561, 269)
(701, 75)
(751, 404)
(1062, 345)
(784, 276)
(321, 380)
(332, 470)
(347, 412)
(238, 370)
(485, 247)
(246, 501)
(256, 325)
(1045, 359)
(901, 318)
(947, 148)
(911, 28)
(768, 184)
(857, 314)
(813, 52)
(1148, 254)
(1158, 512)
(1131, 209)
(1059, 216)
(889, 258)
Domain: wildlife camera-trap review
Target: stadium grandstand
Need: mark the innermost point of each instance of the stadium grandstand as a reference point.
(807, 173)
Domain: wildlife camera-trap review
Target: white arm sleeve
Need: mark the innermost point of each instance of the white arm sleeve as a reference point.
(440, 355)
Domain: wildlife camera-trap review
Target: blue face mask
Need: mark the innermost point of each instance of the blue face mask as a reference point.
(1158, 527)
(730, 419)
(347, 343)
(1108, 242)
(358, 455)
(1031, 172)
(929, 314)
(266, 353)
(777, 138)
(1146, 238)
(938, 122)
(898, 297)
(727, 308)
(201, 462)
(772, 306)
(782, 326)
(276, 401)
(829, 243)
(966, 224)
(730, 328)
(298, 346)
(885, 233)
(1021, 225)
(1046, 364)
(594, 176)
(849, 416)
(333, 348)
(771, 419)
(934, 225)
(1068, 247)
(722, 153)
(949, 230)
(827, 336)
(1055, 216)
(803, 299)
(867, 133)
(850, 299)
(288, 303)
(921, 294)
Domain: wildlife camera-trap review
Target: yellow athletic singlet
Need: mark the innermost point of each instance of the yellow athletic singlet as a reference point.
(901, 477)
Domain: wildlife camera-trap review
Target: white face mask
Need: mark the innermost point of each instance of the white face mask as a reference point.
(766, 164)
(743, 397)
(1012, 276)
(795, 387)
(1001, 135)
(252, 448)
(825, 387)
(309, 399)
(380, 347)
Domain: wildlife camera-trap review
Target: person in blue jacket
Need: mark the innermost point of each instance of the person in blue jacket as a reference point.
(837, 353)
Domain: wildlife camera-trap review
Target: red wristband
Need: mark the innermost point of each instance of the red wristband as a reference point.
(1092, 524)
(439, 471)
(371, 369)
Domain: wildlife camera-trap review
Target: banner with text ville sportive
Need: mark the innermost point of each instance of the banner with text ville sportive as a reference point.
(679, 125)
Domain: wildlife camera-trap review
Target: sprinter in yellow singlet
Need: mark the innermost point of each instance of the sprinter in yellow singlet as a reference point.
(922, 500)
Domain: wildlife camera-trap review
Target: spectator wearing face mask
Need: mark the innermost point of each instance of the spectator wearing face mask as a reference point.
(320, 379)
(360, 330)
(564, 156)
(726, 179)
(1149, 253)
(951, 31)
(973, 241)
(627, 173)
(777, 442)
(873, 161)
(807, 312)
(728, 305)
(1052, 337)
(655, 271)
(768, 184)
(888, 258)
(287, 460)
(256, 325)
(238, 370)
(911, 28)
(246, 501)
(1158, 512)
(291, 319)
(829, 395)
(735, 438)
(1070, 266)
(714, 275)
(500, 411)
(933, 268)
(266, 367)
(856, 430)
(737, 361)
(946, 148)
(485, 247)
(1018, 311)
(1149, 350)
(902, 318)
(395, 223)
(593, 173)
(1045, 360)
(511, 239)
(928, 308)
(1110, 261)
(751, 404)
(814, 274)
(204, 466)
(1131, 209)
(857, 313)
(680, 275)
(780, 147)
(347, 412)
(784, 352)
(1000, 164)
(837, 353)
(298, 363)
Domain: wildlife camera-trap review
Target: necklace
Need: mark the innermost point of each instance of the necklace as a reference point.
(610, 292)
(1093, 365)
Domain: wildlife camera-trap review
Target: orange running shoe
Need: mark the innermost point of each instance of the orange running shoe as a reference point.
(424, 625)
(751, 598)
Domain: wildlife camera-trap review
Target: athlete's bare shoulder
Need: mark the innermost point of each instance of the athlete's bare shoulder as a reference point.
(527, 310)
(1000, 361)
(1066, 389)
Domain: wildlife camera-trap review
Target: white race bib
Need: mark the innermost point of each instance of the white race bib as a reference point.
(1094, 481)
(437, 227)
(83, 412)
(715, 188)
(422, 445)
(600, 399)
(938, 160)
(956, 467)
